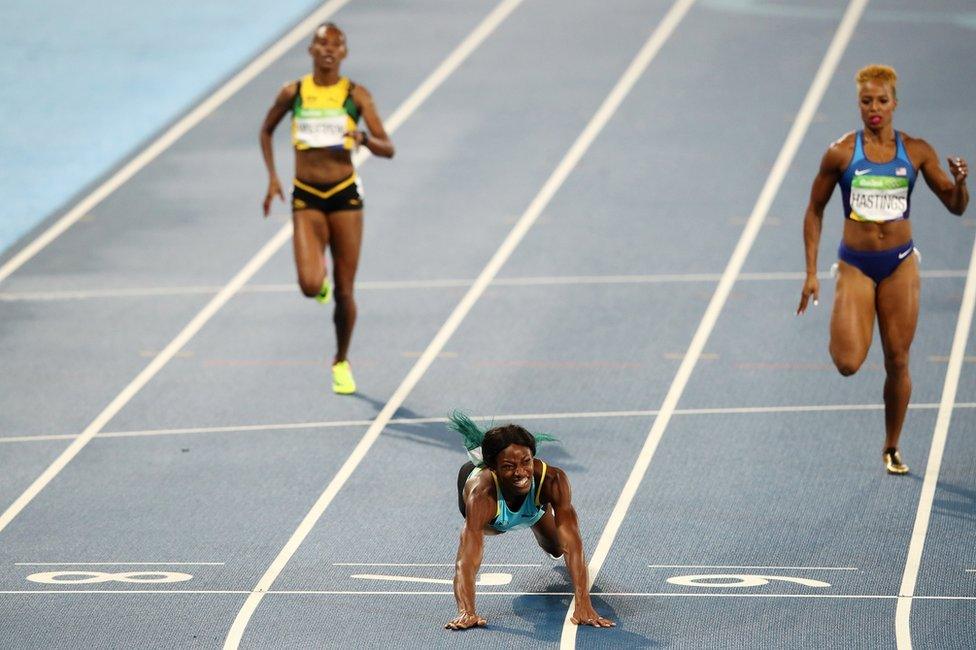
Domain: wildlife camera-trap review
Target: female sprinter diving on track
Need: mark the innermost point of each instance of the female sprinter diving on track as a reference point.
(327, 199)
(505, 487)
(878, 272)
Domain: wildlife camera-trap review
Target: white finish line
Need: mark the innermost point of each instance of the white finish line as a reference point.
(558, 594)
(118, 564)
(415, 564)
(768, 568)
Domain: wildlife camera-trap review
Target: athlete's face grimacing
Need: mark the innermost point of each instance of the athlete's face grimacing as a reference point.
(514, 468)
(877, 102)
(328, 48)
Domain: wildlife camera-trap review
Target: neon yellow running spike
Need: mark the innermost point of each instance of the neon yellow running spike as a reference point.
(342, 381)
(325, 294)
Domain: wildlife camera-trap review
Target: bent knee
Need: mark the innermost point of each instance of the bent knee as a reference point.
(309, 289)
(846, 360)
(846, 365)
(555, 552)
(847, 369)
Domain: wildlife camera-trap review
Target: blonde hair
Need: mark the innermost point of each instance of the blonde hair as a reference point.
(881, 73)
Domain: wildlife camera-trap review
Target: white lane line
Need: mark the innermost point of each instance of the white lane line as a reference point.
(119, 563)
(913, 562)
(156, 292)
(731, 410)
(405, 110)
(174, 133)
(415, 564)
(453, 61)
(399, 285)
(515, 236)
(436, 581)
(173, 592)
(933, 274)
(42, 438)
(558, 594)
(484, 579)
(246, 427)
(716, 566)
(88, 294)
(799, 128)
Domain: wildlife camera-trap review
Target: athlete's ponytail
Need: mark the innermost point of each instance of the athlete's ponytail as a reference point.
(484, 446)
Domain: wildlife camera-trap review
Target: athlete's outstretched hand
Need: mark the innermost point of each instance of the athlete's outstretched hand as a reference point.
(465, 621)
(811, 287)
(588, 616)
(959, 169)
(274, 189)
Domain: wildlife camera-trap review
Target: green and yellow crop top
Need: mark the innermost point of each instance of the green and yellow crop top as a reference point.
(321, 115)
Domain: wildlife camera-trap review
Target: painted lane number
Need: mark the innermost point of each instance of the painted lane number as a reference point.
(91, 577)
(738, 580)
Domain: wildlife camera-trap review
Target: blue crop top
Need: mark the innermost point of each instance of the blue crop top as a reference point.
(877, 192)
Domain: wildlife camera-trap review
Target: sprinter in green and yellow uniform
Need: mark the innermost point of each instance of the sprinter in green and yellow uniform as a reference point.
(327, 199)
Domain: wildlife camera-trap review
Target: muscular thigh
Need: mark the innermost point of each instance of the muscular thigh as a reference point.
(545, 530)
(897, 304)
(346, 232)
(852, 321)
(310, 237)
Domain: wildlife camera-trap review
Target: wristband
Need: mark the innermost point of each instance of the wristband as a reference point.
(365, 138)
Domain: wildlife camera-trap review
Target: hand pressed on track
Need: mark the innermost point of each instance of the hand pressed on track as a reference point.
(465, 621)
(588, 616)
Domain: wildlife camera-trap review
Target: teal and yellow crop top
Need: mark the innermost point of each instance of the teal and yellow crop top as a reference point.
(527, 515)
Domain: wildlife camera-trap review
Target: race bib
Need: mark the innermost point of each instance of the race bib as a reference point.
(878, 198)
(319, 128)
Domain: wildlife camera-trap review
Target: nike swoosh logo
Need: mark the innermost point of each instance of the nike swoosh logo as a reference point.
(861, 172)
(902, 256)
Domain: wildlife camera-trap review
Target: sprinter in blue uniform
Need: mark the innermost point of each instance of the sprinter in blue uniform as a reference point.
(878, 264)
(504, 487)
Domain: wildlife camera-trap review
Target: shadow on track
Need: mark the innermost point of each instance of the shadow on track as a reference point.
(547, 613)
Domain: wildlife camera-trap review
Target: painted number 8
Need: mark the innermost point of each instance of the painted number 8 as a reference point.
(90, 577)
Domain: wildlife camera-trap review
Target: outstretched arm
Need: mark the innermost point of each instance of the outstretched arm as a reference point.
(567, 529)
(378, 142)
(480, 508)
(823, 187)
(951, 191)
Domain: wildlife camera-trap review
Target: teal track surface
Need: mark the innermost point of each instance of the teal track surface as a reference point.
(764, 517)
